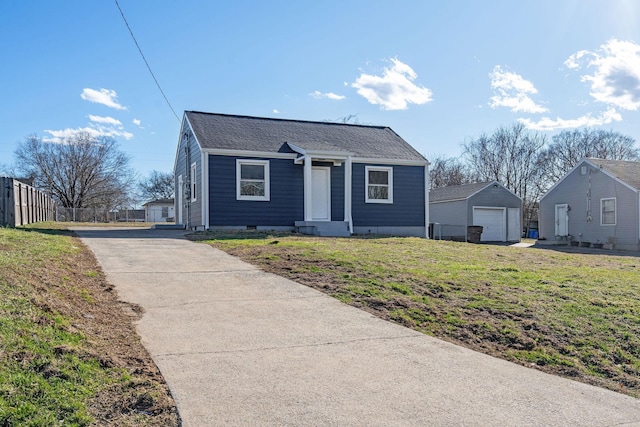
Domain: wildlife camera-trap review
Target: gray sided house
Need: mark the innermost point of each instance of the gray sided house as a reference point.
(597, 202)
(488, 204)
(239, 172)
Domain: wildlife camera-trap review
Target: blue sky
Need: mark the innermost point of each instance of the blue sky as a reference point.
(438, 73)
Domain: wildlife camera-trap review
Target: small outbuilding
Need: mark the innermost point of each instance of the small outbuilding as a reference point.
(456, 211)
(597, 203)
(161, 210)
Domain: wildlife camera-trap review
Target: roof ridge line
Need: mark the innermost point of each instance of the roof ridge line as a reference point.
(242, 116)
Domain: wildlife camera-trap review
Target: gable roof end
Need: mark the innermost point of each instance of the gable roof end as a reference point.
(624, 171)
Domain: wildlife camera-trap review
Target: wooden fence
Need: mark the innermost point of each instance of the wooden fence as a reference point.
(22, 204)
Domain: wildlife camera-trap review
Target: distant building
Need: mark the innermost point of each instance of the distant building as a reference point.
(161, 210)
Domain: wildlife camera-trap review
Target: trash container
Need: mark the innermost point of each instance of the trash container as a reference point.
(474, 232)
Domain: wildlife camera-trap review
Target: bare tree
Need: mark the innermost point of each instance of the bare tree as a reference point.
(510, 156)
(80, 172)
(448, 171)
(157, 185)
(7, 170)
(569, 147)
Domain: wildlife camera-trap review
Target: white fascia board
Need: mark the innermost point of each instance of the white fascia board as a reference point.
(338, 155)
(175, 162)
(246, 153)
(185, 120)
(482, 189)
(400, 162)
(447, 201)
(494, 183)
(612, 176)
(296, 148)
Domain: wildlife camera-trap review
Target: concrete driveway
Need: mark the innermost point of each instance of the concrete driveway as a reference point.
(239, 346)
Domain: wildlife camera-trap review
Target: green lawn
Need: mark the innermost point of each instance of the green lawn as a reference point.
(575, 315)
(59, 361)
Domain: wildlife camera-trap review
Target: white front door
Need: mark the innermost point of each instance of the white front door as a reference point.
(562, 220)
(321, 192)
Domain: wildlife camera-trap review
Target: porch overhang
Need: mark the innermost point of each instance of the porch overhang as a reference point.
(306, 157)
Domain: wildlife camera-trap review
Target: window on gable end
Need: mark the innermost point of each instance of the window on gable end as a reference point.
(608, 211)
(379, 184)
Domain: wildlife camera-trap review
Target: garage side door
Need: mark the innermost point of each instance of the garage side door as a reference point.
(493, 222)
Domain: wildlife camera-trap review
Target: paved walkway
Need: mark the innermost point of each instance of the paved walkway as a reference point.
(238, 346)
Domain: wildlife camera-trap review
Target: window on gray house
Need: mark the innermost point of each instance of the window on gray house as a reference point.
(608, 211)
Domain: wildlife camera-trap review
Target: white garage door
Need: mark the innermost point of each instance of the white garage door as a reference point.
(493, 223)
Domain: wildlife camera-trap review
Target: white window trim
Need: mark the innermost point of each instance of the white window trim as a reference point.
(615, 211)
(389, 171)
(267, 179)
(194, 180)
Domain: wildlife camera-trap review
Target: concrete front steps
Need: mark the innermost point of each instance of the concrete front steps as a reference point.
(323, 228)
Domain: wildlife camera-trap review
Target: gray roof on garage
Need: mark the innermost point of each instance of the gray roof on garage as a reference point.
(456, 192)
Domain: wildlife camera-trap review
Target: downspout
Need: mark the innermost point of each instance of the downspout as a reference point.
(347, 193)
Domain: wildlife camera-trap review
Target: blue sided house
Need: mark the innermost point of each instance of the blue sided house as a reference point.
(320, 178)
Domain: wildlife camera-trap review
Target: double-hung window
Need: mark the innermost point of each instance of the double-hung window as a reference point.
(608, 211)
(379, 184)
(252, 180)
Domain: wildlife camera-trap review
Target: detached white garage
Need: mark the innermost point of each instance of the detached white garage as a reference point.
(489, 204)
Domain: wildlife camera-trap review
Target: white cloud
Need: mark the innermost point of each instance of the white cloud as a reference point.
(329, 95)
(105, 120)
(394, 89)
(573, 61)
(512, 91)
(103, 96)
(59, 136)
(546, 123)
(136, 122)
(616, 73)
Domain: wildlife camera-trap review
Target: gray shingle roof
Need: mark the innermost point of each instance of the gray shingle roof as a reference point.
(626, 171)
(222, 131)
(456, 192)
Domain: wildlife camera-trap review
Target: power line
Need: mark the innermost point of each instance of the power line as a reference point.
(145, 61)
